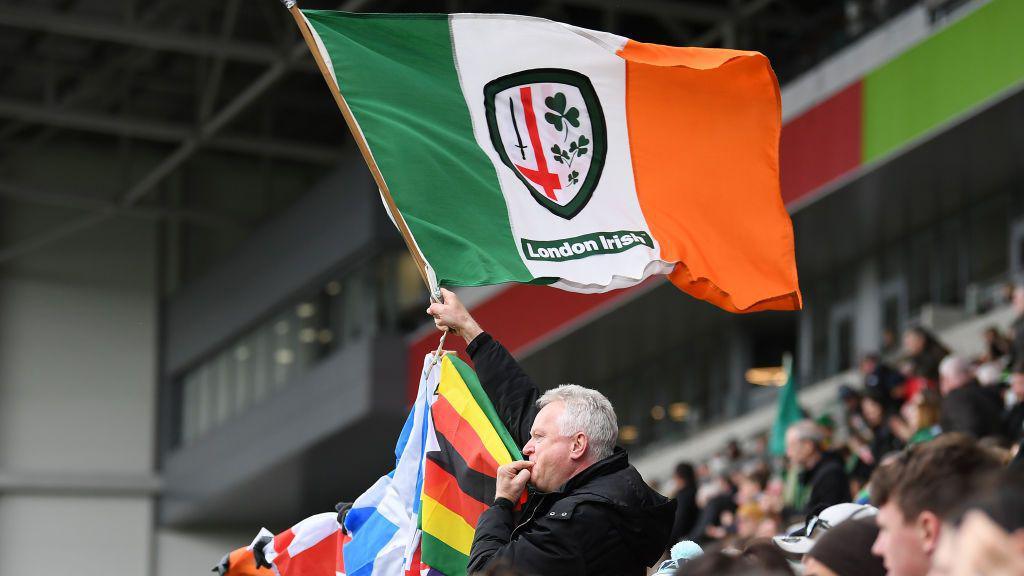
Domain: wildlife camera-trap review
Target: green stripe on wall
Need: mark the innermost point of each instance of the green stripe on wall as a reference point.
(397, 73)
(442, 557)
(948, 74)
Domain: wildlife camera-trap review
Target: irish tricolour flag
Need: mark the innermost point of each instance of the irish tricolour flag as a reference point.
(524, 150)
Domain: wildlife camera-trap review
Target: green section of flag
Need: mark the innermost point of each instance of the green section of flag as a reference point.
(473, 383)
(442, 557)
(947, 75)
(398, 75)
(787, 413)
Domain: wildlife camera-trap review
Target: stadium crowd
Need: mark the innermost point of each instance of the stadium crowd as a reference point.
(919, 472)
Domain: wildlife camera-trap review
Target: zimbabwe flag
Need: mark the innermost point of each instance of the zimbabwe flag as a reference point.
(467, 444)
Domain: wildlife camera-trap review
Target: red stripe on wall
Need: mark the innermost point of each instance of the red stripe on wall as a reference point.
(821, 144)
(518, 316)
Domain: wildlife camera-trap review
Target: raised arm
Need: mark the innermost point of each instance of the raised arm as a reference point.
(511, 391)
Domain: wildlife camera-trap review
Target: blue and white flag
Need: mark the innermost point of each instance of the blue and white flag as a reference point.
(383, 521)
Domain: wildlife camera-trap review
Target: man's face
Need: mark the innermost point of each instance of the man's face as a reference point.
(549, 450)
(1017, 385)
(798, 450)
(900, 543)
(945, 552)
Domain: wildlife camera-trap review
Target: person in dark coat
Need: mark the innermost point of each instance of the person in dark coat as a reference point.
(823, 473)
(588, 511)
(1017, 328)
(686, 502)
(882, 380)
(1014, 418)
(924, 353)
(967, 407)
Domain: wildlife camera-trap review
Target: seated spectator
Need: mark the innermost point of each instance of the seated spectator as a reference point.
(802, 541)
(1014, 418)
(879, 420)
(883, 380)
(987, 535)
(764, 555)
(846, 551)
(686, 501)
(1017, 327)
(720, 501)
(967, 407)
(997, 346)
(929, 482)
(921, 418)
(822, 475)
(924, 353)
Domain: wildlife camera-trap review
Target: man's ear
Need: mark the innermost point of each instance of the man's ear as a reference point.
(578, 446)
(930, 527)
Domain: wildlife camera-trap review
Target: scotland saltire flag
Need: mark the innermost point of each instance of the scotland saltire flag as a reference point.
(383, 521)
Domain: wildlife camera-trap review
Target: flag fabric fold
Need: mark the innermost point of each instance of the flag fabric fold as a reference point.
(525, 150)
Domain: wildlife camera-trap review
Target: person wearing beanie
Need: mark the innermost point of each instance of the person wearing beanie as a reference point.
(846, 551)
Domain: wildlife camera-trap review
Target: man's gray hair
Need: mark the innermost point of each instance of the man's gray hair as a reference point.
(587, 411)
(808, 430)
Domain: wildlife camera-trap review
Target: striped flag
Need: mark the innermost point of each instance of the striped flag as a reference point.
(313, 547)
(517, 149)
(468, 444)
(419, 519)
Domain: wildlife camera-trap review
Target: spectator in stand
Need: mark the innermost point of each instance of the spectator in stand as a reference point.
(987, 535)
(997, 346)
(883, 380)
(930, 481)
(846, 551)
(1014, 419)
(686, 501)
(1017, 327)
(966, 406)
(924, 353)
(921, 416)
(720, 502)
(883, 439)
(822, 477)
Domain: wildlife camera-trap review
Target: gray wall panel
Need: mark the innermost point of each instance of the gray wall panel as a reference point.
(337, 219)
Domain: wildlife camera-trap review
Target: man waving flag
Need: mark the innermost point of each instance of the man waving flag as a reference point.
(517, 149)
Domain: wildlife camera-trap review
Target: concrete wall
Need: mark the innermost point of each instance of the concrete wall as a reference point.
(77, 388)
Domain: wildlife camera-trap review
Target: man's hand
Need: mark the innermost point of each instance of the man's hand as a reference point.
(452, 316)
(512, 479)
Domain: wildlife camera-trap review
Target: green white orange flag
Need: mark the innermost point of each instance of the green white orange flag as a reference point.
(518, 149)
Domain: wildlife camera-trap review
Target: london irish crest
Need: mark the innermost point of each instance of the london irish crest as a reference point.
(548, 128)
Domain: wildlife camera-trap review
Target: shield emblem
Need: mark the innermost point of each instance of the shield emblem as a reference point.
(547, 126)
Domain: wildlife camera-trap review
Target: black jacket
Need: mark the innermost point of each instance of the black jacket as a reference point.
(828, 484)
(972, 409)
(687, 513)
(604, 520)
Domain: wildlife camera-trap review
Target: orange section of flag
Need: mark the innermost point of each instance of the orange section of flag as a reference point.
(242, 563)
(704, 136)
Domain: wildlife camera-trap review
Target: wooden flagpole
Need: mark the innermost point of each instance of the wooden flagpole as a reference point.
(425, 272)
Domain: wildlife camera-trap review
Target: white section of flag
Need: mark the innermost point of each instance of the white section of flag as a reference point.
(488, 47)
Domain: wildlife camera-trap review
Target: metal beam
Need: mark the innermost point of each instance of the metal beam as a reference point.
(726, 27)
(133, 35)
(158, 131)
(141, 188)
(20, 193)
(690, 11)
